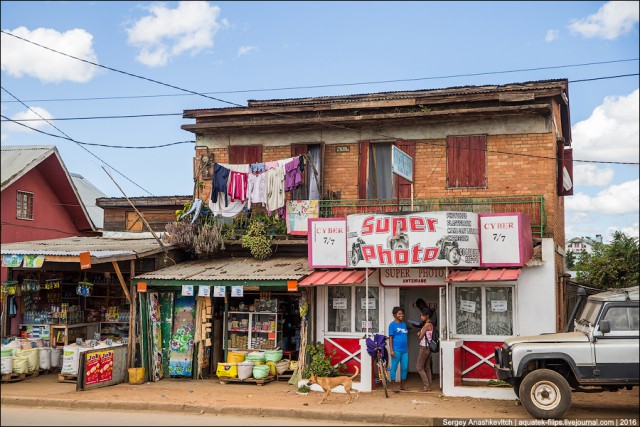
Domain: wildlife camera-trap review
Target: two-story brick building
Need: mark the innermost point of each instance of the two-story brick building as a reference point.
(480, 149)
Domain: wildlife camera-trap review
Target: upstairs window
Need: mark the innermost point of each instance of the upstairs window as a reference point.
(376, 180)
(24, 205)
(467, 161)
(245, 154)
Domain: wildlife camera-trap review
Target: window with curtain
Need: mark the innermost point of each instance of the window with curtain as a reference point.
(24, 205)
(380, 182)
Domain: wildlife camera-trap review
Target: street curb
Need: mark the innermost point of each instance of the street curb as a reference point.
(329, 415)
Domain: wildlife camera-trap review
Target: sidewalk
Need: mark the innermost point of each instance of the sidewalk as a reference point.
(278, 399)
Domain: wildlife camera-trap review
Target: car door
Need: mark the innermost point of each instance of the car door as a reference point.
(616, 352)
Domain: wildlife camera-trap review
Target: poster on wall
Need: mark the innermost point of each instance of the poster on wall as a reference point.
(204, 291)
(33, 261)
(421, 239)
(298, 212)
(327, 243)
(218, 291)
(187, 290)
(339, 304)
(106, 366)
(93, 367)
(237, 291)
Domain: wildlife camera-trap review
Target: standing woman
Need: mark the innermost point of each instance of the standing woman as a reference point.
(424, 357)
(398, 334)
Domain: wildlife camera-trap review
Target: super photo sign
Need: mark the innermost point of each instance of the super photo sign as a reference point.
(422, 239)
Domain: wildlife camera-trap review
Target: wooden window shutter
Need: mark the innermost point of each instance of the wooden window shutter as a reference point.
(559, 166)
(245, 154)
(403, 186)
(132, 221)
(466, 161)
(363, 165)
(568, 164)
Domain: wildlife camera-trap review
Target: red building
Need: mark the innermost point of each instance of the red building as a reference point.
(39, 198)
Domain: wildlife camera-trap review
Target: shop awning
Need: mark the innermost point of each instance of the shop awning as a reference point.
(485, 275)
(335, 277)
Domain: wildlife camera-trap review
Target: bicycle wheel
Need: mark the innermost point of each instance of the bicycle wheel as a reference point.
(382, 374)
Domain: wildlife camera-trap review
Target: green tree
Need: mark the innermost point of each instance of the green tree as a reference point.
(611, 265)
(570, 260)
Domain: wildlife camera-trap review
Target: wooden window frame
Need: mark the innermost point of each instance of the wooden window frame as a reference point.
(20, 206)
(468, 159)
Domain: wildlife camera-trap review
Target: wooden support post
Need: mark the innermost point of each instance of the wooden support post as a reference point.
(121, 280)
(133, 336)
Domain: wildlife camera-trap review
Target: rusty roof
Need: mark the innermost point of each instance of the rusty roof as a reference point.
(234, 269)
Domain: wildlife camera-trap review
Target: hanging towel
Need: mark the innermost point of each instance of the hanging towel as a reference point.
(271, 165)
(238, 186)
(231, 209)
(257, 167)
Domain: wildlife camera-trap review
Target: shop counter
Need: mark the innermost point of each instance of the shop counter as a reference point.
(64, 334)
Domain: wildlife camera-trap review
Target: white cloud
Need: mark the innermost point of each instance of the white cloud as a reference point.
(20, 58)
(610, 21)
(29, 114)
(614, 200)
(611, 132)
(551, 35)
(245, 50)
(590, 174)
(167, 33)
(631, 230)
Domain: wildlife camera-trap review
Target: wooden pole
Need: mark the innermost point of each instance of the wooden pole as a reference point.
(133, 336)
(116, 267)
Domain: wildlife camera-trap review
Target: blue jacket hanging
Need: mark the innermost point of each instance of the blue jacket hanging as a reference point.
(220, 180)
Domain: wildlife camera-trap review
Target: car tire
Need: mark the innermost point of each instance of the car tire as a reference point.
(545, 394)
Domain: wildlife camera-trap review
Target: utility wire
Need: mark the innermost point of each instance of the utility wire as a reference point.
(279, 114)
(337, 84)
(79, 144)
(131, 116)
(5, 119)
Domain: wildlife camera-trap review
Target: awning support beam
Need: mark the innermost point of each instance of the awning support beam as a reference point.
(116, 267)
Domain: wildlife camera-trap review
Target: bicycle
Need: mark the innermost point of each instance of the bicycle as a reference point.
(376, 348)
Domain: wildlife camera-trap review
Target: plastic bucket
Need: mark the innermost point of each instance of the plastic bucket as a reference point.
(136, 375)
(245, 370)
(233, 357)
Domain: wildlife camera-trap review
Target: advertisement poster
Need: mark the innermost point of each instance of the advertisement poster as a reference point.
(421, 239)
(237, 291)
(11, 260)
(298, 212)
(204, 291)
(93, 368)
(218, 291)
(33, 261)
(106, 366)
(187, 290)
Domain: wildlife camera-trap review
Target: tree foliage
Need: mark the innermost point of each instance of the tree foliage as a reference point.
(570, 260)
(611, 265)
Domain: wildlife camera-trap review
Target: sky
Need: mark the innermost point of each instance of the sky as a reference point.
(236, 51)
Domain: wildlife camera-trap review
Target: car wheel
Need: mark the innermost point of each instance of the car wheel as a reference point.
(545, 394)
(454, 256)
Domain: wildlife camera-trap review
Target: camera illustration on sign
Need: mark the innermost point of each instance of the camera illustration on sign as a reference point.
(356, 252)
(449, 250)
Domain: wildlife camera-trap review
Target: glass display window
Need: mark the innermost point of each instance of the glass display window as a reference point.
(347, 309)
(484, 310)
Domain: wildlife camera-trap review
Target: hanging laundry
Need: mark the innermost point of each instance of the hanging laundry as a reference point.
(275, 189)
(271, 165)
(256, 189)
(196, 207)
(220, 182)
(257, 168)
(283, 162)
(238, 186)
(231, 209)
(301, 163)
(292, 177)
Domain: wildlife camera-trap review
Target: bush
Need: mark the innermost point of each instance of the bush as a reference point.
(321, 363)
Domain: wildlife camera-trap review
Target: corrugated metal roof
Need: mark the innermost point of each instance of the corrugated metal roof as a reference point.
(279, 268)
(19, 159)
(99, 247)
(335, 277)
(485, 275)
(89, 193)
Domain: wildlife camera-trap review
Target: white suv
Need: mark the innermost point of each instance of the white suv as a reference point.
(601, 352)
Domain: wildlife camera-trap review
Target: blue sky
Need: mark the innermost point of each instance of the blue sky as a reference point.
(253, 46)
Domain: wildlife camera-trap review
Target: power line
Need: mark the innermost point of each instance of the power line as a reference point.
(92, 144)
(333, 84)
(71, 139)
(280, 114)
(131, 116)
(31, 227)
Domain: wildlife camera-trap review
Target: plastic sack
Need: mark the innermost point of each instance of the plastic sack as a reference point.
(70, 360)
(245, 370)
(56, 357)
(45, 358)
(33, 359)
(15, 345)
(6, 351)
(37, 342)
(260, 371)
(20, 365)
(7, 365)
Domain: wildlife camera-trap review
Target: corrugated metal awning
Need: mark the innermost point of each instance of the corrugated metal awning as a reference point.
(335, 277)
(485, 275)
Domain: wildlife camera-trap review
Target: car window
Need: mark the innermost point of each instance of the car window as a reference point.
(621, 318)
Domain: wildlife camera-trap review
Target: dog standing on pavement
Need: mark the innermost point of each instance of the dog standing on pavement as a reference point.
(327, 383)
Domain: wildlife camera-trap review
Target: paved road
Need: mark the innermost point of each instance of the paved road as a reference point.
(24, 416)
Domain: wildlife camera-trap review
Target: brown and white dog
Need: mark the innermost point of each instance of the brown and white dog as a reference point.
(327, 383)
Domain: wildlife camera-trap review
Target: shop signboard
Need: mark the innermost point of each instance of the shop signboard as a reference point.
(412, 277)
(505, 240)
(401, 164)
(33, 261)
(420, 239)
(327, 242)
(11, 260)
(85, 260)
